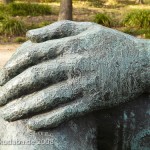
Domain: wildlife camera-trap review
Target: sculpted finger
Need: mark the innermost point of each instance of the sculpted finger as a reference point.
(56, 117)
(27, 55)
(44, 100)
(11, 63)
(37, 77)
(34, 53)
(57, 30)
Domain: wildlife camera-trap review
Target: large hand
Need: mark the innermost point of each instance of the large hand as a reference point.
(88, 68)
(30, 54)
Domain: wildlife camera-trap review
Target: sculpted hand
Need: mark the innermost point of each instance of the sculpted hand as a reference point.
(70, 69)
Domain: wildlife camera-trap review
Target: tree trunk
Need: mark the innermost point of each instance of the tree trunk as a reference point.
(139, 1)
(65, 10)
(7, 1)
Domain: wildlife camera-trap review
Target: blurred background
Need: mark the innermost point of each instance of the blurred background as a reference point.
(19, 16)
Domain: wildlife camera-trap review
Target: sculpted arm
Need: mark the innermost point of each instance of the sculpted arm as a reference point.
(71, 69)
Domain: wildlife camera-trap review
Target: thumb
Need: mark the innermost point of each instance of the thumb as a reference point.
(57, 30)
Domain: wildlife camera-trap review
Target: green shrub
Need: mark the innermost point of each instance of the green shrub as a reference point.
(2, 17)
(147, 36)
(39, 25)
(144, 33)
(137, 18)
(131, 31)
(3, 8)
(20, 39)
(44, 23)
(32, 26)
(28, 9)
(10, 26)
(103, 19)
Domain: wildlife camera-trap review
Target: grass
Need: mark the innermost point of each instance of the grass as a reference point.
(83, 11)
(137, 23)
(2, 17)
(39, 25)
(103, 19)
(11, 26)
(137, 18)
(143, 33)
(28, 9)
(19, 39)
(25, 9)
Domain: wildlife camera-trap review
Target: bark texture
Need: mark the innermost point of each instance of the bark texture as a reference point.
(65, 10)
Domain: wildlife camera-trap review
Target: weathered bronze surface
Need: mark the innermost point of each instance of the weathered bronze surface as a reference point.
(83, 73)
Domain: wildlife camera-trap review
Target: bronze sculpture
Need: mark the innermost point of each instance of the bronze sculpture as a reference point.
(70, 69)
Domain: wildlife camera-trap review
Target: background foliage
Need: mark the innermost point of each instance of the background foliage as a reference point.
(124, 15)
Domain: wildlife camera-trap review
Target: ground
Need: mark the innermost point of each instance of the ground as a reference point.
(6, 52)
